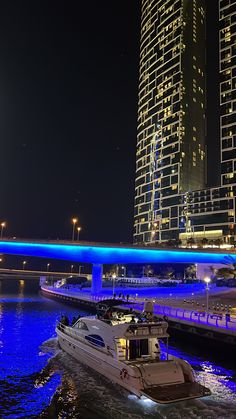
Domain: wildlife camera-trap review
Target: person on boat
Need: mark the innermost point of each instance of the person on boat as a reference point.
(64, 320)
(74, 320)
(127, 297)
(132, 320)
(157, 319)
(157, 351)
(148, 317)
(108, 315)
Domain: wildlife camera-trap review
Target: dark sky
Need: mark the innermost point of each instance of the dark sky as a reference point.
(68, 106)
(68, 97)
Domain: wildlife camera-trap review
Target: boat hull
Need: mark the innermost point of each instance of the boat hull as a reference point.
(102, 363)
(130, 377)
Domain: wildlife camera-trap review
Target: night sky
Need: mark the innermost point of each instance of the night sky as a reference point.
(68, 111)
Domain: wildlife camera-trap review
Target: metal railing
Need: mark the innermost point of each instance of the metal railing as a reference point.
(200, 317)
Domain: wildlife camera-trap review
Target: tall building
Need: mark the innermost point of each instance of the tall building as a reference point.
(227, 41)
(171, 200)
(171, 113)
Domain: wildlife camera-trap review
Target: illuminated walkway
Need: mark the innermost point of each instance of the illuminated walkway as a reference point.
(199, 318)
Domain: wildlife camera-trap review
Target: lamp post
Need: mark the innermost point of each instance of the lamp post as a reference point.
(71, 268)
(80, 267)
(74, 222)
(48, 264)
(207, 281)
(113, 283)
(124, 271)
(78, 231)
(3, 225)
(23, 264)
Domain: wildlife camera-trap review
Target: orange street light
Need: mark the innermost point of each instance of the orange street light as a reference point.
(78, 231)
(74, 221)
(3, 225)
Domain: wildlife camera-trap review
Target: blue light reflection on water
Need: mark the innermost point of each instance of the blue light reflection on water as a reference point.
(209, 373)
(24, 325)
(28, 322)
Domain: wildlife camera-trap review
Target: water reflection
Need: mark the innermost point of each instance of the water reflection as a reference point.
(38, 380)
(83, 391)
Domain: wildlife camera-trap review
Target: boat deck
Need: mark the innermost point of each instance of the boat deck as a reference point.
(175, 392)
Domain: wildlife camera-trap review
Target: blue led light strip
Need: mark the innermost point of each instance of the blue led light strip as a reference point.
(111, 254)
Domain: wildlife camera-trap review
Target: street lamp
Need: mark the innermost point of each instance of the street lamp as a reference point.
(48, 264)
(124, 270)
(80, 267)
(74, 221)
(3, 225)
(207, 281)
(23, 264)
(71, 268)
(113, 283)
(78, 231)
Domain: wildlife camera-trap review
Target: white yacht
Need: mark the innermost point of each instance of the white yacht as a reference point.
(127, 351)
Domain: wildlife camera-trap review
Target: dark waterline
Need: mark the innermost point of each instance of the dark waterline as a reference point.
(38, 380)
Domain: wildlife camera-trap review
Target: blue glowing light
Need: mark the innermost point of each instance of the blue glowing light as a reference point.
(112, 254)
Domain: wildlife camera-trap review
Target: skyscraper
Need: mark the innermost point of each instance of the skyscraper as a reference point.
(171, 113)
(171, 200)
(227, 41)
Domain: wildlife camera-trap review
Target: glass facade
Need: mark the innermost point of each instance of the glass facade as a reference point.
(171, 112)
(171, 201)
(227, 39)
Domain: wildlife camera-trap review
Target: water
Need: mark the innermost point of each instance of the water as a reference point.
(38, 380)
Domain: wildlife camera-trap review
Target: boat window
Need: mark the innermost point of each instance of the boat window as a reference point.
(81, 325)
(95, 340)
(138, 348)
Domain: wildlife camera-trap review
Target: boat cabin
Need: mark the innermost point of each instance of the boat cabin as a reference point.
(140, 341)
(122, 336)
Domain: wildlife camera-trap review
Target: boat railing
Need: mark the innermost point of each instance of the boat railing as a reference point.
(148, 329)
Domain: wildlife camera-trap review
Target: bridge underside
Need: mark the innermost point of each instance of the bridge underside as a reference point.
(111, 254)
(98, 255)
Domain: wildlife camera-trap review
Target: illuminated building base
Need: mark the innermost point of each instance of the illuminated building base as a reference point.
(205, 270)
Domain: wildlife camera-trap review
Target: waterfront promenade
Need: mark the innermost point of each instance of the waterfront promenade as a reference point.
(188, 315)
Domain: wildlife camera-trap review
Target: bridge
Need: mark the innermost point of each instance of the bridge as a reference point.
(98, 254)
(32, 274)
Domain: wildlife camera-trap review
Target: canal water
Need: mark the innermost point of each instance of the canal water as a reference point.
(38, 380)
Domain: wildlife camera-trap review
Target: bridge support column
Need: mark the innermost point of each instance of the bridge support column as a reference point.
(97, 271)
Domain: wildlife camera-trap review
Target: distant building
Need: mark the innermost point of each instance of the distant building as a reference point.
(171, 200)
(227, 41)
